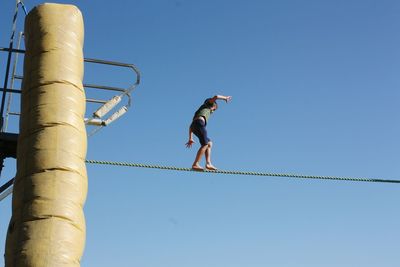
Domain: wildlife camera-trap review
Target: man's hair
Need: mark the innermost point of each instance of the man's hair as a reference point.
(214, 104)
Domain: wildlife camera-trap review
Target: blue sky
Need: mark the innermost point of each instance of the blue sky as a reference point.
(315, 88)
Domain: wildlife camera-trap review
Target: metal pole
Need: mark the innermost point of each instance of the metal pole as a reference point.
(3, 98)
(2, 158)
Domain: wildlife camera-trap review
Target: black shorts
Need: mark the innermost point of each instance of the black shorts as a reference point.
(199, 129)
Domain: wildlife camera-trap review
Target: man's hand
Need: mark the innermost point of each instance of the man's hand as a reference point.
(189, 143)
(228, 98)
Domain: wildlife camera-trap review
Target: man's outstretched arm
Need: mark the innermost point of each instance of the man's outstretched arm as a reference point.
(221, 97)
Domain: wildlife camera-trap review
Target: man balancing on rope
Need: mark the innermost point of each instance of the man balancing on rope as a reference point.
(198, 127)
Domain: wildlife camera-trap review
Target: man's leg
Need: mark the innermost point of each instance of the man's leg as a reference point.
(199, 155)
(209, 166)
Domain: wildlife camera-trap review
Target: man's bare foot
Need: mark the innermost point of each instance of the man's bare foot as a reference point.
(197, 168)
(210, 167)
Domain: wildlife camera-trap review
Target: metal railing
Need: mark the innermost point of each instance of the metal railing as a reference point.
(106, 105)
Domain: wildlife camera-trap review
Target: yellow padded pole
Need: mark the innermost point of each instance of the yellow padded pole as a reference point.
(47, 228)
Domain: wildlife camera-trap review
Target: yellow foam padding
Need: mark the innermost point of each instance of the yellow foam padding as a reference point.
(47, 228)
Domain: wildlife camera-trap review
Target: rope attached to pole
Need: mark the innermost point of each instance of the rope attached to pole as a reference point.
(298, 176)
(7, 185)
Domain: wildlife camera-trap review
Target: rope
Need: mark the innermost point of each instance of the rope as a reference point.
(248, 173)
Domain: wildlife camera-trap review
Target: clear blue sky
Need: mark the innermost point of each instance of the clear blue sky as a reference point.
(315, 88)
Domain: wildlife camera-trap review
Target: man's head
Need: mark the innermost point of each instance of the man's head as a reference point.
(214, 107)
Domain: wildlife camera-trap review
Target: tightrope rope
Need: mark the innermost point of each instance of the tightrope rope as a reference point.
(298, 176)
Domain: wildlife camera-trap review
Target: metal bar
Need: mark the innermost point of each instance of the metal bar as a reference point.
(6, 193)
(17, 91)
(6, 185)
(13, 50)
(23, 7)
(95, 101)
(120, 64)
(15, 113)
(108, 62)
(95, 86)
(10, 90)
(110, 88)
